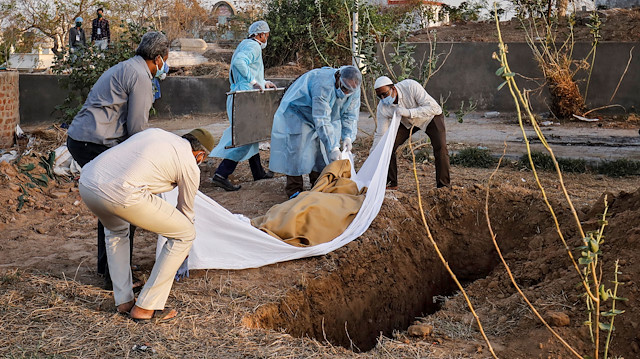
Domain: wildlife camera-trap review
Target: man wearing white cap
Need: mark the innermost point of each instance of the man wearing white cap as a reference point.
(418, 110)
(246, 72)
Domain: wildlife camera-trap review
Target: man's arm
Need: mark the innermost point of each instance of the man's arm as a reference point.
(94, 28)
(188, 184)
(321, 114)
(241, 62)
(107, 32)
(139, 103)
(350, 117)
(427, 106)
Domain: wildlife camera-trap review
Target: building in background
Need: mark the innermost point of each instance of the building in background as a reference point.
(611, 4)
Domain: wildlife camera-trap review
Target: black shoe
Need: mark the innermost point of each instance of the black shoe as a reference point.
(222, 182)
(266, 175)
(108, 285)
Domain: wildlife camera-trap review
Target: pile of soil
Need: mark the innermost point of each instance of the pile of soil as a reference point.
(214, 69)
(621, 25)
(362, 296)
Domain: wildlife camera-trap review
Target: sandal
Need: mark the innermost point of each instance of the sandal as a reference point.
(137, 284)
(159, 316)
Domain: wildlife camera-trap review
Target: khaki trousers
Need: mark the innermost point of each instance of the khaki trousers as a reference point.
(153, 214)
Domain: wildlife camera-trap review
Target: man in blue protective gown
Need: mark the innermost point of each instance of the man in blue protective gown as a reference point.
(318, 110)
(245, 73)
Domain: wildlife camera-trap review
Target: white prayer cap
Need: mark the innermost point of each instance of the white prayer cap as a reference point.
(382, 81)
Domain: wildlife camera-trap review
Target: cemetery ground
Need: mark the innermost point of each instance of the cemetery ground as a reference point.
(386, 294)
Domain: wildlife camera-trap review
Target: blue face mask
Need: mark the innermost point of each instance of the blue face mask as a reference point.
(340, 93)
(161, 71)
(388, 100)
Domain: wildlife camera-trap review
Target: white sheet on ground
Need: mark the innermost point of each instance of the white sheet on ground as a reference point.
(224, 241)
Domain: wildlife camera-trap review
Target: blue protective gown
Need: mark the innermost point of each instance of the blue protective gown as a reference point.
(311, 115)
(246, 66)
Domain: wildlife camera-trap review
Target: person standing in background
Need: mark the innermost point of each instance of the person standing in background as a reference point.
(246, 72)
(100, 34)
(77, 38)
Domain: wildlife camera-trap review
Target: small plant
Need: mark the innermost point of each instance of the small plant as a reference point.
(592, 274)
(619, 168)
(473, 157)
(545, 162)
(10, 277)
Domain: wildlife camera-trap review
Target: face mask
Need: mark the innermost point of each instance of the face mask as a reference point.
(340, 93)
(263, 45)
(78, 24)
(161, 71)
(388, 100)
(99, 16)
(165, 71)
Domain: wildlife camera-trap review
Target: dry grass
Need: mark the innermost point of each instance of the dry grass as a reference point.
(44, 316)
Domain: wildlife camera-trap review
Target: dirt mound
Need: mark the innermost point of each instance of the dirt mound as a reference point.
(285, 71)
(214, 69)
(621, 25)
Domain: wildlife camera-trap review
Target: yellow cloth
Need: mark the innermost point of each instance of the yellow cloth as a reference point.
(319, 215)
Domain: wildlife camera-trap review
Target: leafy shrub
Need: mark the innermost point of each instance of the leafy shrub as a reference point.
(473, 157)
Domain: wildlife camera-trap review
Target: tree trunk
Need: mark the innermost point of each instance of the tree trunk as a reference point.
(562, 6)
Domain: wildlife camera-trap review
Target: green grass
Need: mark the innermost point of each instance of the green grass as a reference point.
(473, 157)
(619, 168)
(544, 162)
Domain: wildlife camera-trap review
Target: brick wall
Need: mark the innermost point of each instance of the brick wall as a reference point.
(9, 107)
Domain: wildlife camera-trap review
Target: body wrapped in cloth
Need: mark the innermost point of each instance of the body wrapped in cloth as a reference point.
(319, 215)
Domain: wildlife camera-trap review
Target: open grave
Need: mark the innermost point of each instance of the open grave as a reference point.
(392, 274)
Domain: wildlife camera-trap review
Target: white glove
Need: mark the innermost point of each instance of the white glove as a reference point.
(403, 112)
(258, 87)
(335, 155)
(269, 85)
(347, 145)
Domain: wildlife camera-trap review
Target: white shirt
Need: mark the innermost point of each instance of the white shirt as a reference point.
(412, 96)
(150, 162)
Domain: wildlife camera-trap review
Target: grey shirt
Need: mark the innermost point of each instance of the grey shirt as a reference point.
(77, 37)
(117, 106)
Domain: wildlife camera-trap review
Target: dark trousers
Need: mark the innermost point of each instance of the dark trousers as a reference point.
(438, 136)
(226, 167)
(83, 153)
(296, 183)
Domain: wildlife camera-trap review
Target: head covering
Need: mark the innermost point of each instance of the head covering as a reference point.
(204, 137)
(78, 19)
(350, 77)
(258, 27)
(382, 81)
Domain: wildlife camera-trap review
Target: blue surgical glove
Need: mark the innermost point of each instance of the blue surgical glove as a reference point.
(183, 271)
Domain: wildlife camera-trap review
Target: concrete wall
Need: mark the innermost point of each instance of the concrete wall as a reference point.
(40, 94)
(469, 73)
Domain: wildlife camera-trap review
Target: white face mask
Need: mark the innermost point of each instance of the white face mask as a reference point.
(263, 45)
